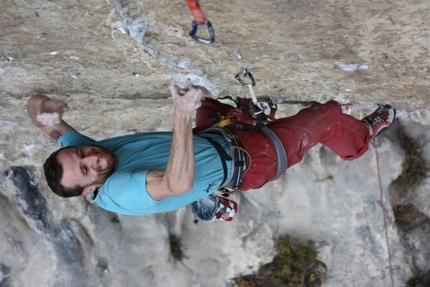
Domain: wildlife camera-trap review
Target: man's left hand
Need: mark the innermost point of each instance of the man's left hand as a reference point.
(187, 103)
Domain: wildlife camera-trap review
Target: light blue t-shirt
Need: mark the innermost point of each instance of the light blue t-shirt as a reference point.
(125, 190)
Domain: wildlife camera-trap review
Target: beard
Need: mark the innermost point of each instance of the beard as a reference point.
(108, 163)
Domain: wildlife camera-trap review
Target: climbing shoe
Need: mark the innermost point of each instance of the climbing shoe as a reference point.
(227, 209)
(214, 207)
(380, 120)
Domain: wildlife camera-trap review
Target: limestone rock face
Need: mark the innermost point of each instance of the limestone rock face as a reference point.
(297, 50)
(111, 60)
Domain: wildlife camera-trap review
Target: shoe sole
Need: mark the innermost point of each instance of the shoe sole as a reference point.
(392, 122)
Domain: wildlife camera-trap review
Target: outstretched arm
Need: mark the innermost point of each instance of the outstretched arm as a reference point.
(46, 114)
(179, 175)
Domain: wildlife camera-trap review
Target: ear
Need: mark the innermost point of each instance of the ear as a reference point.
(90, 189)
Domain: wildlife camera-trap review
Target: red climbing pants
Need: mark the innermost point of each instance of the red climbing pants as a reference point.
(319, 123)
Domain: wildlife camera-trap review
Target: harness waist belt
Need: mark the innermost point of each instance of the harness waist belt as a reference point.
(237, 157)
(223, 155)
(281, 155)
(280, 152)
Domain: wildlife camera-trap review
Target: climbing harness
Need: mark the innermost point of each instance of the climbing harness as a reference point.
(258, 121)
(239, 158)
(199, 20)
(376, 144)
(254, 114)
(258, 108)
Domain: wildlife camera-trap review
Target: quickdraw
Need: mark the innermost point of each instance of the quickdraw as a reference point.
(200, 19)
(257, 107)
(246, 73)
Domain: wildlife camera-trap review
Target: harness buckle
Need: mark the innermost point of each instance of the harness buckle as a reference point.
(264, 110)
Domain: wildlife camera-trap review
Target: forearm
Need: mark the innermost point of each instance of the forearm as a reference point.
(179, 175)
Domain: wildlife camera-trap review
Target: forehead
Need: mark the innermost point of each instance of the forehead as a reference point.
(66, 151)
(68, 159)
(65, 156)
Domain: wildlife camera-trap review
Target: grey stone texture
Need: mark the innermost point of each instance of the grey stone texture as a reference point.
(111, 61)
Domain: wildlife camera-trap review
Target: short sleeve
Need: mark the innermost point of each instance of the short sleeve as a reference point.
(125, 192)
(75, 138)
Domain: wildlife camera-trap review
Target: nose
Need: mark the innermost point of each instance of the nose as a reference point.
(92, 160)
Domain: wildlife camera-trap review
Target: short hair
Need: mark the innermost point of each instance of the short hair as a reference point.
(53, 174)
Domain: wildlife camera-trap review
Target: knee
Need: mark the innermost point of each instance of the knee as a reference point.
(332, 103)
(329, 107)
(332, 107)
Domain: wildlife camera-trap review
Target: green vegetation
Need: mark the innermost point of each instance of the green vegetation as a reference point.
(415, 169)
(295, 265)
(408, 216)
(327, 178)
(414, 172)
(114, 219)
(419, 280)
(176, 248)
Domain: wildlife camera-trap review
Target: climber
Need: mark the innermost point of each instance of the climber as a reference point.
(157, 172)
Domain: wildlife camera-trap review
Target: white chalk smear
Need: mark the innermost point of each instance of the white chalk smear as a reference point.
(53, 53)
(27, 147)
(185, 64)
(351, 68)
(49, 119)
(420, 116)
(75, 75)
(72, 56)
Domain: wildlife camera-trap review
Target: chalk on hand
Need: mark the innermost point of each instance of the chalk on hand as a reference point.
(49, 119)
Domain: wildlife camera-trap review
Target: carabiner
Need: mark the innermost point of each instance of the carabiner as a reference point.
(211, 31)
(245, 73)
(200, 19)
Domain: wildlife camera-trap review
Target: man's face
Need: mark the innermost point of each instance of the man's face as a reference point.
(86, 166)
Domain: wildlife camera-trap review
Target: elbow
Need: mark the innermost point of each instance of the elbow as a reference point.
(182, 187)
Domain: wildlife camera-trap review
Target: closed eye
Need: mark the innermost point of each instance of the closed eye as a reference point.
(80, 154)
(84, 170)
